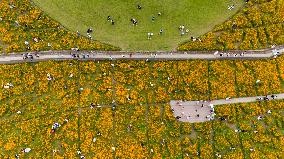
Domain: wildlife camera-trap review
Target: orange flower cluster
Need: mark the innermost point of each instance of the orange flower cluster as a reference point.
(24, 27)
(250, 135)
(280, 64)
(258, 25)
(119, 108)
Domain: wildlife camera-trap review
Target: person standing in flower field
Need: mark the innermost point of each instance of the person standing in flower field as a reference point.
(26, 150)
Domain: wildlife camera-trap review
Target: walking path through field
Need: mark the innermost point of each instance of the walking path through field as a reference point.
(112, 55)
(200, 111)
(187, 111)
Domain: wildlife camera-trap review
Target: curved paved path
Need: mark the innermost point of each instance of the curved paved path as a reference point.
(188, 110)
(105, 55)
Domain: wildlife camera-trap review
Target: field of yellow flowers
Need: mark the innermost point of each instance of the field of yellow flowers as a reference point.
(258, 25)
(24, 27)
(119, 109)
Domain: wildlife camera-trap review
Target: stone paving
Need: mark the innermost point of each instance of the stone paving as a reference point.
(201, 111)
(191, 111)
(122, 55)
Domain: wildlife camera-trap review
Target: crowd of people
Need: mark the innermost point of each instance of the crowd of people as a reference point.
(200, 111)
(266, 97)
(197, 112)
(30, 56)
(75, 54)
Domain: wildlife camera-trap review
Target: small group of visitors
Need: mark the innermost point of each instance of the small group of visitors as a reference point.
(109, 18)
(266, 97)
(183, 30)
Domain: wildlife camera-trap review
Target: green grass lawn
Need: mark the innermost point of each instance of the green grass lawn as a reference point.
(198, 16)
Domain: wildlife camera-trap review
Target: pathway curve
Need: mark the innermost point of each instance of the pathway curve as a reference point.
(200, 111)
(174, 55)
